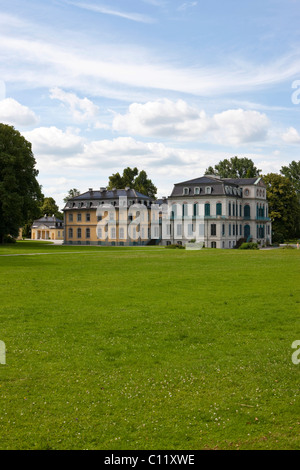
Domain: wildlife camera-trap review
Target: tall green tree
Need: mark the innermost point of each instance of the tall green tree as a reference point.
(292, 172)
(234, 167)
(133, 179)
(49, 208)
(72, 193)
(20, 192)
(284, 209)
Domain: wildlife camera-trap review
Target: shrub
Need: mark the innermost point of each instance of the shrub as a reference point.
(249, 246)
(9, 239)
(175, 246)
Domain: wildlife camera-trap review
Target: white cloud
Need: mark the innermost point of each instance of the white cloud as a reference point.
(81, 109)
(55, 142)
(109, 11)
(236, 126)
(291, 136)
(136, 69)
(187, 5)
(14, 113)
(178, 120)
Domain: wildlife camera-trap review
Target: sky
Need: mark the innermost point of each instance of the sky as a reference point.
(168, 86)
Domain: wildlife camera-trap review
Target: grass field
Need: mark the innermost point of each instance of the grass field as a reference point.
(147, 348)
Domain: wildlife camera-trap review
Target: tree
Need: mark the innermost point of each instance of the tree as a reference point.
(234, 168)
(292, 172)
(133, 179)
(284, 209)
(49, 208)
(20, 192)
(72, 193)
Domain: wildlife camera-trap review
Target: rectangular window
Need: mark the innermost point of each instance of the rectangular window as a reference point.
(213, 229)
(229, 229)
(88, 233)
(229, 209)
(113, 233)
(70, 233)
(78, 217)
(88, 217)
(79, 233)
(223, 229)
(179, 230)
(219, 209)
(121, 234)
(70, 217)
(190, 230)
(214, 244)
(207, 209)
(99, 232)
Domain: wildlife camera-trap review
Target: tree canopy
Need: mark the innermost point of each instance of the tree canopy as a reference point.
(284, 207)
(292, 172)
(72, 193)
(234, 167)
(49, 208)
(134, 179)
(20, 192)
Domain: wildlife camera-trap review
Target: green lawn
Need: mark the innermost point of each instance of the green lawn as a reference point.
(148, 348)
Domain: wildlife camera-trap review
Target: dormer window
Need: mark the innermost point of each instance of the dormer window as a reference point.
(208, 190)
(186, 191)
(197, 191)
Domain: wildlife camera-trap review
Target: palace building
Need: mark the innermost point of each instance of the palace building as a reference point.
(218, 212)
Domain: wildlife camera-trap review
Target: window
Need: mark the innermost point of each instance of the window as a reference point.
(79, 233)
(78, 217)
(247, 211)
(223, 230)
(113, 233)
(88, 233)
(121, 234)
(246, 192)
(214, 244)
(219, 208)
(190, 230)
(196, 210)
(70, 233)
(233, 230)
(99, 232)
(213, 229)
(229, 209)
(197, 191)
(186, 191)
(208, 190)
(179, 230)
(70, 217)
(207, 209)
(229, 229)
(88, 217)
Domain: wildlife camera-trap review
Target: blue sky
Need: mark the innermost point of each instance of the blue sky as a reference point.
(168, 86)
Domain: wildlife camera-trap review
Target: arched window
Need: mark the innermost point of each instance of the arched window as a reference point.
(219, 208)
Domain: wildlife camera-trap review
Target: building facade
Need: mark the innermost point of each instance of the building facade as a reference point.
(219, 212)
(47, 228)
(118, 217)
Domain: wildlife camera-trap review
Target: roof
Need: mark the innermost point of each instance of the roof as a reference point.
(242, 181)
(50, 222)
(49, 219)
(109, 194)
